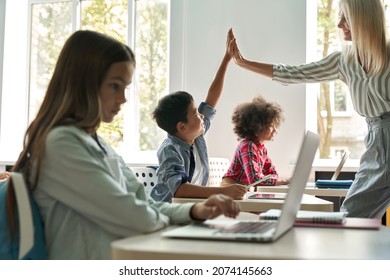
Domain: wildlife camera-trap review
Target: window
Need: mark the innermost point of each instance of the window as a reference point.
(340, 104)
(340, 127)
(143, 25)
(51, 25)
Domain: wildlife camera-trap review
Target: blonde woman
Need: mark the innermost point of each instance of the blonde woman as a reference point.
(364, 66)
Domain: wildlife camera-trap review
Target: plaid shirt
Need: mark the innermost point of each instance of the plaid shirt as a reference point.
(251, 163)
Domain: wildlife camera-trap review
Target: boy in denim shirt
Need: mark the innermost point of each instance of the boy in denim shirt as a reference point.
(183, 161)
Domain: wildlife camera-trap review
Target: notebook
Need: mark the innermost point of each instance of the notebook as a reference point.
(333, 184)
(265, 195)
(349, 223)
(304, 216)
(259, 231)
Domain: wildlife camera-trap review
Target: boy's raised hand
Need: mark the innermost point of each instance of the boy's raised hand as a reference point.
(229, 40)
(232, 47)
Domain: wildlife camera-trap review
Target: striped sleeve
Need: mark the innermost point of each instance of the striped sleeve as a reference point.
(326, 69)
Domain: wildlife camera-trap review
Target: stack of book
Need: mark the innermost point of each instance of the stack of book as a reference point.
(334, 184)
(325, 219)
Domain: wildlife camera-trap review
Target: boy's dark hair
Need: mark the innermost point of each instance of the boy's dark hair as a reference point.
(171, 109)
(251, 119)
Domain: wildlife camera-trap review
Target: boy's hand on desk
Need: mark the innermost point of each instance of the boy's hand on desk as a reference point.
(235, 191)
(282, 182)
(215, 205)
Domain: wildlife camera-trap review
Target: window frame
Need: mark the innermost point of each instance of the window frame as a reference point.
(348, 103)
(313, 90)
(7, 157)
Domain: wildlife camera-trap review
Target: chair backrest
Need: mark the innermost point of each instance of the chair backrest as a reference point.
(30, 242)
(147, 176)
(217, 168)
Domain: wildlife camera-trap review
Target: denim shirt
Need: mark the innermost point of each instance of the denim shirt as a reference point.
(174, 160)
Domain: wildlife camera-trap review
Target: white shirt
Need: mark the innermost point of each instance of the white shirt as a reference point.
(83, 205)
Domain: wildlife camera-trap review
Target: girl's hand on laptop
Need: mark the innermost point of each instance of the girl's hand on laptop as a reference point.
(215, 205)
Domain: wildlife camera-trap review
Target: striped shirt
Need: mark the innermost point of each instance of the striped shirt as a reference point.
(251, 163)
(370, 94)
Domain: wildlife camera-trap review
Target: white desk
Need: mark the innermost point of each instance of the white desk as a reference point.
(298, 243)
(309, 202)
(310, 189)
(334, 195)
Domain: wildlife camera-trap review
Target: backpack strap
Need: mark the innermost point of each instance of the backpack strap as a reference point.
(26, 225)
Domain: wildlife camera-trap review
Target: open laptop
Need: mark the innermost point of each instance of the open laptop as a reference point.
(260, 231)
(340, 166)
(333, 182)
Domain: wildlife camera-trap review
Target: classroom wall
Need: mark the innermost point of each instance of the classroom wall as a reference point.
(268, 31)
(14, 106)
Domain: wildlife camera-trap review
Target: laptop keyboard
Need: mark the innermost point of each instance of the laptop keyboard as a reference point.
(248, 227)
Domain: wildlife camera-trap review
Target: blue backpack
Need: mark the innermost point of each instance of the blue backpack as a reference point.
(30, 235)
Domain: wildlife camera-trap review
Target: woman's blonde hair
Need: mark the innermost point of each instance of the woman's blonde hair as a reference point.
(367, 22)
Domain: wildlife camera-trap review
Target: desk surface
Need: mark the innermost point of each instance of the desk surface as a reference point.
(298, 243)
(309, 202)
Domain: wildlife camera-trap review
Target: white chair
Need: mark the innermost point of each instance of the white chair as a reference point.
(147, 176)
(217, 168)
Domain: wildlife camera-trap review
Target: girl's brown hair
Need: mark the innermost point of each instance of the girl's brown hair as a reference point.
(72, 98)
